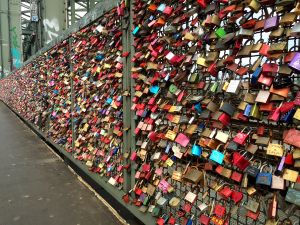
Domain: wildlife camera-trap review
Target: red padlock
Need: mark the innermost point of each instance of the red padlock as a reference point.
(260, 131)
(220, 210)
(202, 3)
(289, 159)
(240, 161)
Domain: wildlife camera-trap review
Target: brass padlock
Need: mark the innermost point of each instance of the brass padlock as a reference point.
(254, 5)
(251, 191)
(271, 222)
(245, 181)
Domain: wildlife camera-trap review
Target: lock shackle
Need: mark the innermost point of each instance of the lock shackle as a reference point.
(243, 129)
(256, 160)
(243, 152)
(195, 187)
(226, 184)
(212, 207)
(249, 40)
(251, 157)
(111, 143)
(260, 41)
(221, 184)
(186, 167)
(220, 146)
(177, 165)
(266, 165)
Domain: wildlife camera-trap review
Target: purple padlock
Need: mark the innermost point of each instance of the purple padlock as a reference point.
(281, 164)
(271, 23)
(295, 63)
(206, 37)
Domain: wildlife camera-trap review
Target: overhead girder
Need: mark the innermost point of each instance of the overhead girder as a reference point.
(82, 4)
(44, 32)
(25, 6)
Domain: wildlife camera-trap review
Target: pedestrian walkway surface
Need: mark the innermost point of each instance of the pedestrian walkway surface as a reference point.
(36, 187)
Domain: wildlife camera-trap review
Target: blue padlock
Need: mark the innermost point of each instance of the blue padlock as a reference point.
(161, 7)
(167, 150)
(87, 74)
(99, 57)
(247, 110)
(190, 220)
(288, 117)
(196, 150)
(198, 108)
(109, 101)
(151, 18)
(264, 178)
(177, 36)
(115, 151)
(136, 31)
(154, 89)
(119, 98)
(255, 75)
(217, 156)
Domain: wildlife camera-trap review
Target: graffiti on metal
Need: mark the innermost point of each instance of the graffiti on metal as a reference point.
(15, 50)
(52, 29)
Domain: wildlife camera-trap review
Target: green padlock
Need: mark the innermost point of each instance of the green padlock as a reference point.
(214, 87)
(156, 211)
(220, 32)
(173, 88)
(146, 201)
(194, 78)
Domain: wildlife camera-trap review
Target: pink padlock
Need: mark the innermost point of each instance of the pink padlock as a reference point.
(163, 185)
(133, 156)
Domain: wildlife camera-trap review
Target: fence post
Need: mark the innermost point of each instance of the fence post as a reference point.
(70, 40)
(127, 136)
(132, 91)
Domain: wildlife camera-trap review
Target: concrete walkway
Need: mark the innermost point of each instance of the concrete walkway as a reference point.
(36, 187)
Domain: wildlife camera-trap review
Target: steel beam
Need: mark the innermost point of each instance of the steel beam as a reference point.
(15, 33)
(78, 10)
(84, 5)
(78, 16)
(88, 6)
(53, 16)
(27, 32)
(92, 4)
(10, 36)
(25, 6)
(72, 3)
(25, 11)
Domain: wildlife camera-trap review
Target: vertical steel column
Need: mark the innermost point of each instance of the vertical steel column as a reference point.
(126, 97)
(67, 14)
(40, 41)
(92, 4)
(132, 113)
(15, 32)
(48, 120)
(4, 36)
(72, 3)
(72, 94)
(9, 35)
(1, 54)
(88, 6)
